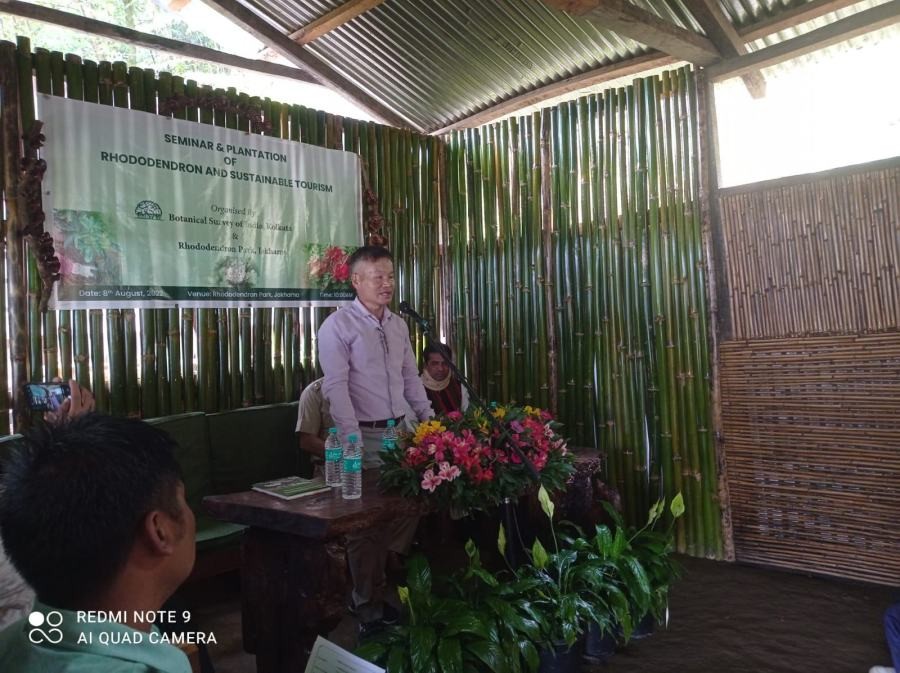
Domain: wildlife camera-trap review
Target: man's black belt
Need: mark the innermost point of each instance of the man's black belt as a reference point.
(381, 424)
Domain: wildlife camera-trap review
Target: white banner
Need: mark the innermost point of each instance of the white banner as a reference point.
(152, 212)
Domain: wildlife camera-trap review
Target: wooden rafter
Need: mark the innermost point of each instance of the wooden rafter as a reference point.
(860, 23)
(792, 17)
(626, 19)
(721, 33)
(334, 19)
(606, 73)
(297, 54)
(26, 10)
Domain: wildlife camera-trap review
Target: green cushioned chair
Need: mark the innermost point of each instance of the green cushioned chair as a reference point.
(253, 444)
(191, 432)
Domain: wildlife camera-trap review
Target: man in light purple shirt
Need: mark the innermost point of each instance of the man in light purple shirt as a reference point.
(370, 378)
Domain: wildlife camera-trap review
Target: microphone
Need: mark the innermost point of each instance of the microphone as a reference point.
(406, 309)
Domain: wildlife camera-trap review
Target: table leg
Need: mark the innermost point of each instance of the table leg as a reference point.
(293, 589)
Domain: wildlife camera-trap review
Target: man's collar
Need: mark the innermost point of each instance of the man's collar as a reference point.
(362, 310)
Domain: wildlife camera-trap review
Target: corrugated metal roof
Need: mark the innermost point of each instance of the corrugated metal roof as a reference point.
(437, 61)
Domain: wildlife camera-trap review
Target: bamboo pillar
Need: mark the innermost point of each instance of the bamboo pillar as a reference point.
(17, 310)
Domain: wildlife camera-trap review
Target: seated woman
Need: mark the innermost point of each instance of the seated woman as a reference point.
(444, 390)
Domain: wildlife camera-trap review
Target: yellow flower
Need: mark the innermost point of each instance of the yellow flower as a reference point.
(427, 428)
(532, 411)
(499, 412)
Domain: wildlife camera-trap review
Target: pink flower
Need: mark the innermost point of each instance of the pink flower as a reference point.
(448, 472)
(430, 481)
(454, 416)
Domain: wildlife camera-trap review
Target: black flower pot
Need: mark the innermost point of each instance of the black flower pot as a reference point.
(561, 659)
(598, 647)
(645, 627)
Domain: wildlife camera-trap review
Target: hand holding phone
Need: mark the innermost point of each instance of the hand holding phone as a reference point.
(47, 396)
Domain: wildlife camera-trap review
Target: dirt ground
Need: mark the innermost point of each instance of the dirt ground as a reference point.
(736, 618)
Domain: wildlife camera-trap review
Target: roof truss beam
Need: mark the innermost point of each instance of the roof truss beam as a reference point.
(860, 23)
(722, 34)
(298, 55)
(26, 10)
(590, 78)
(623, 18)
(336, 18)
(790, 18)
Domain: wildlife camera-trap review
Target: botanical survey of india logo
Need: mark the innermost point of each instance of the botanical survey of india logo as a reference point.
(148, 210)
(39, 621)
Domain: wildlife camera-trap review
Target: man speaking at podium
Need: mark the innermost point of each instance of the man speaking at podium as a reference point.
(370, 379)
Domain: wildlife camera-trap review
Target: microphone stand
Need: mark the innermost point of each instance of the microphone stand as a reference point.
(505, 441)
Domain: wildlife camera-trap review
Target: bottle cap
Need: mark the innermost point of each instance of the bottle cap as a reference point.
(332, 431)
(351, 438)
(392, 423)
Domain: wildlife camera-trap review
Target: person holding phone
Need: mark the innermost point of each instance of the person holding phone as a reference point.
(16, 597)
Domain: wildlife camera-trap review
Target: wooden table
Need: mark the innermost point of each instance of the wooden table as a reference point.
(294, 579)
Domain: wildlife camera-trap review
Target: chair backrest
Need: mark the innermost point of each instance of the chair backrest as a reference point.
(253, 444)
(191, 432)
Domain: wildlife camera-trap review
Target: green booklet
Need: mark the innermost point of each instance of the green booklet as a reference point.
(289, 488)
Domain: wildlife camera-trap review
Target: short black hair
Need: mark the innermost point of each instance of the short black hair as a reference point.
(368, 253)
(73, 498)
(436, 347)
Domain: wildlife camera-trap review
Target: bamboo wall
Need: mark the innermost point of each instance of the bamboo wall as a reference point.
(576, 242)
(810, 383)
(153, 362)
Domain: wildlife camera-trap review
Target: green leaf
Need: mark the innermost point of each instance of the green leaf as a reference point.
(418, 575)
(449, 654)
(372, 651)
(501, 540)
(531, 656)
(422, 640)
(538, 555)
(490, 654)
(471, 549)
(677, 505)
(403, 593)
(467, 622)
(398, 659)
(509, 617)
(546, 503)
(655, 511)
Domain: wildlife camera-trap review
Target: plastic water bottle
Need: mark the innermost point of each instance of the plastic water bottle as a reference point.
(351, 471)
(334, 456)
(389, 438)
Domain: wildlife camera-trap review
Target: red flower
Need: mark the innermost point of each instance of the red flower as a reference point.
(342, 272)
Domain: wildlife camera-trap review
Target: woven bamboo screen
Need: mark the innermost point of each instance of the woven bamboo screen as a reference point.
(812, 423)
(153, 362)
(821, 256)
(812, 437)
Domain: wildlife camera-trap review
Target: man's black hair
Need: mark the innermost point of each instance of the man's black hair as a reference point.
(369, 253)
(436, 347)
(73, 498)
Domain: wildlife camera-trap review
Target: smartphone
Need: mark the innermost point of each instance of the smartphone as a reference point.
(46, 396)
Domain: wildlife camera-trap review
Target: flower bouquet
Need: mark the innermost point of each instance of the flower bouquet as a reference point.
(459, 461)
(327, 267)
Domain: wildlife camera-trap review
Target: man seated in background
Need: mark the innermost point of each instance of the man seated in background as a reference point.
(313, 421)
(444, 390)
(93, 516)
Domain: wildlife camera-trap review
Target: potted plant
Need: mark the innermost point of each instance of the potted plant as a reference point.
(466, 624)
(561, 586)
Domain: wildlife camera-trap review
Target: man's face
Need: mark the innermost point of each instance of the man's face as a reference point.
(374, 282)
(436, 366)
